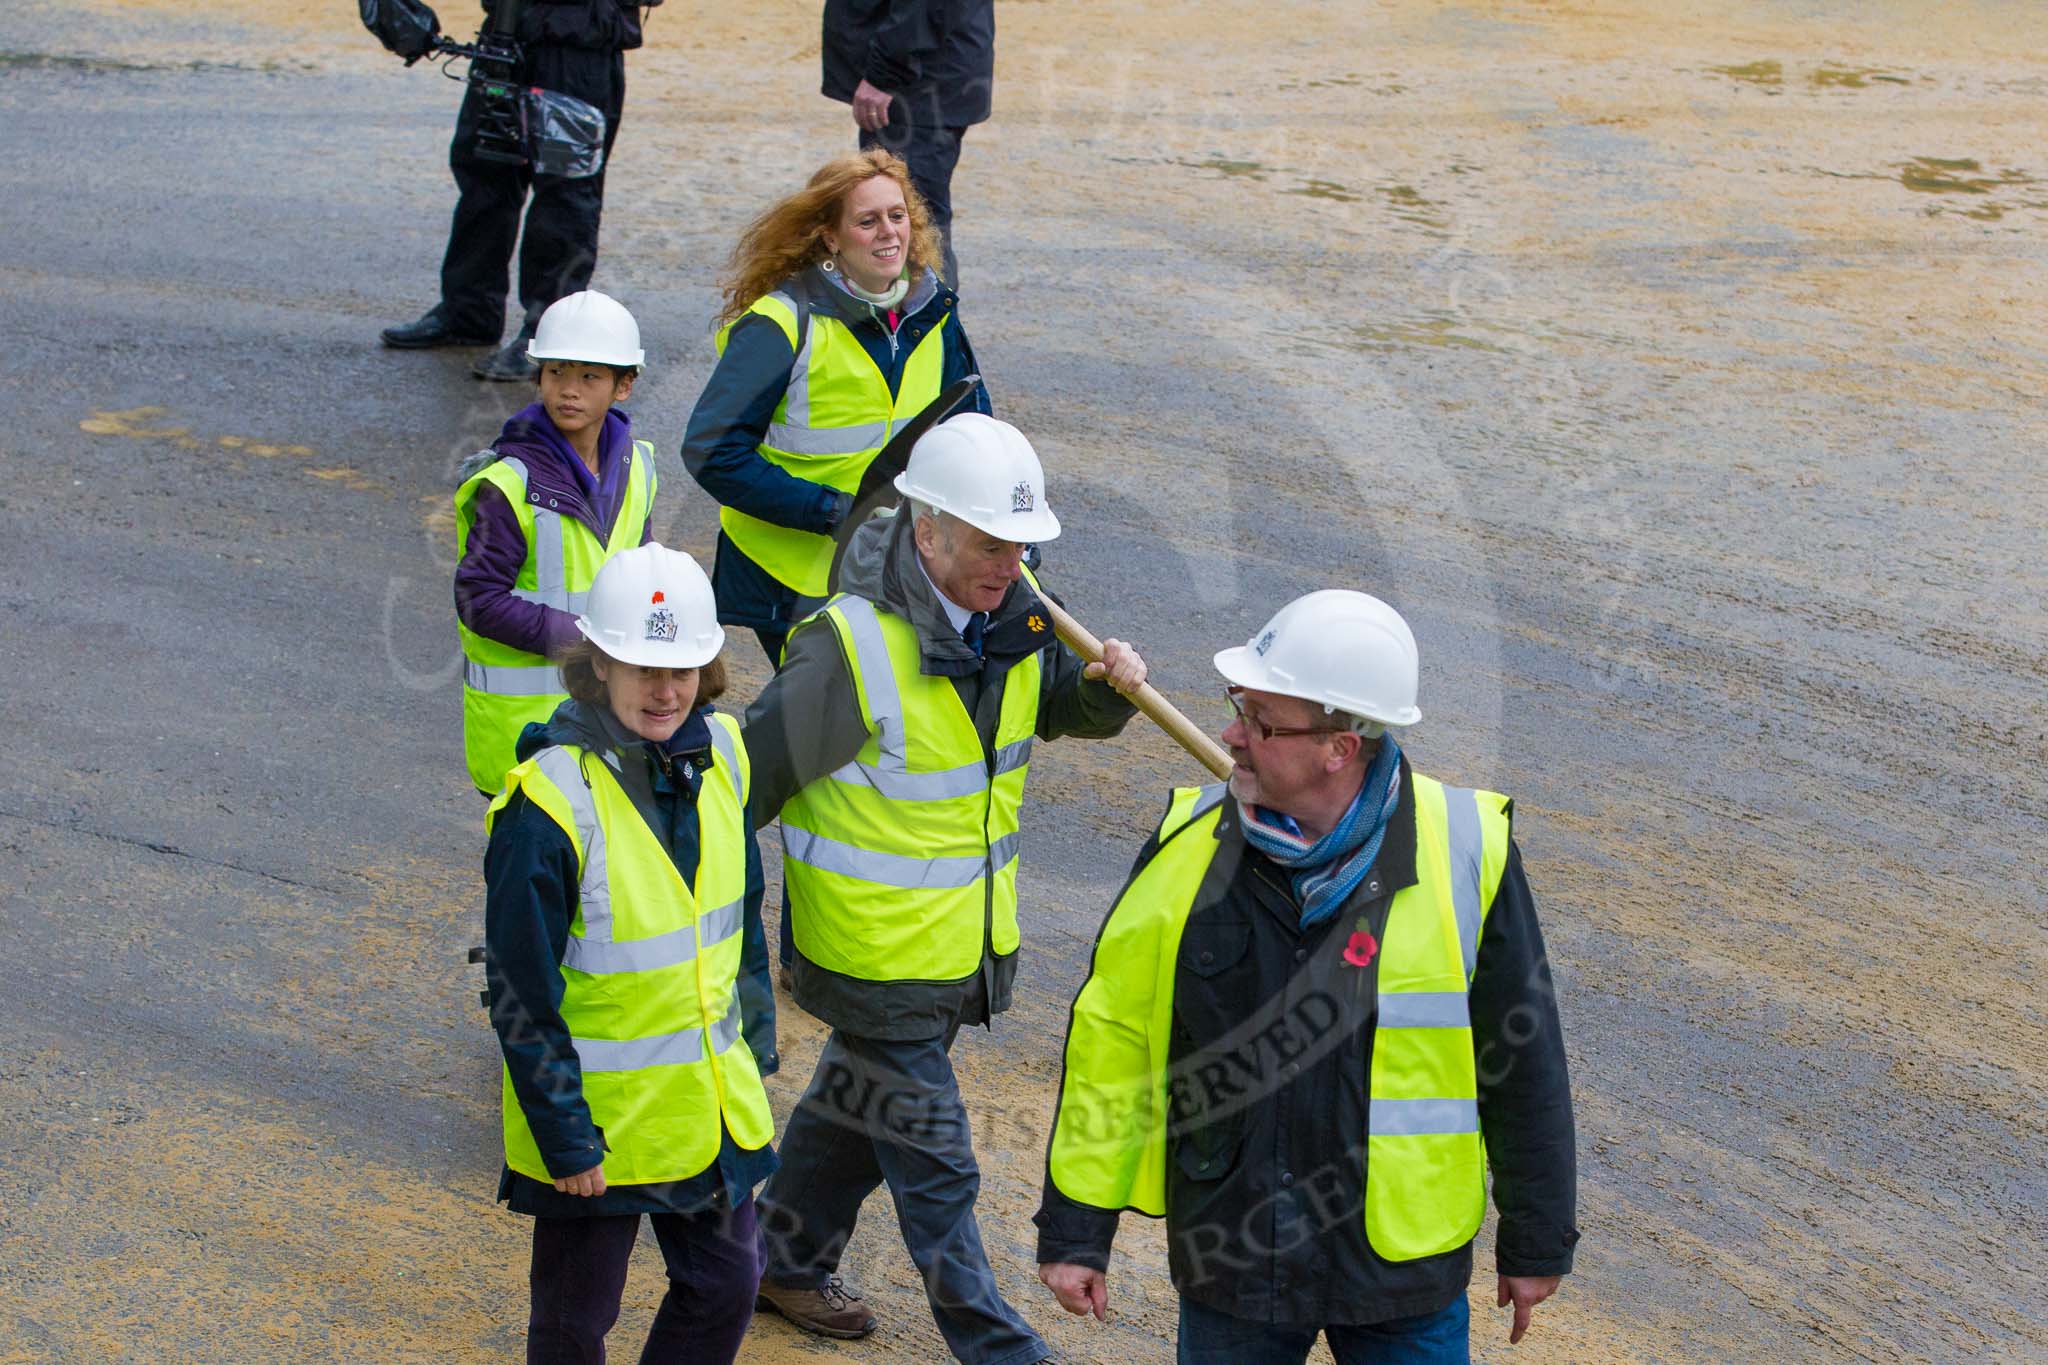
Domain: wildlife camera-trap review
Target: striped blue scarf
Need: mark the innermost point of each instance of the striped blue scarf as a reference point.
(1326, 870)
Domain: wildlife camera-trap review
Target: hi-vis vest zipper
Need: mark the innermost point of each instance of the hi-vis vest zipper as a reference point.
(1425, 1189)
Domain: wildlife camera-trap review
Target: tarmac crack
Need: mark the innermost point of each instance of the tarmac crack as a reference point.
(171, 851)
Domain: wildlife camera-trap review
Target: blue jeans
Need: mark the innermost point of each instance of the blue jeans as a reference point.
(1208, 1337)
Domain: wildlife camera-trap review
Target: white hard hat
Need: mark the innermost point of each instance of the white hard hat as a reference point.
(587, 326)
(1347, 651)
(985, 473)
(652, 606)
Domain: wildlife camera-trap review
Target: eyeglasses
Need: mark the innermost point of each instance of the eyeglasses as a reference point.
(1265, 731)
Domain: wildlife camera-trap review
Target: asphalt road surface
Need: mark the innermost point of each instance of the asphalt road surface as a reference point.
(1677, 374)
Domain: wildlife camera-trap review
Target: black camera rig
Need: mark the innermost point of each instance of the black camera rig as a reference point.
(410, 29)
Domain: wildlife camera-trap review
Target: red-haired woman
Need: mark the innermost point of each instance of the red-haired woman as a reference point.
(835, 330)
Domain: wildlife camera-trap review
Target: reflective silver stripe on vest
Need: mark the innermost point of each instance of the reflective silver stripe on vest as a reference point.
(550, 569)
(1425, 1009)
(1011, 757)
(550, 555)
(550, 560)
(1416, 1118)
(1461, 815)
(594, 893)
(796, 397)
(877, 680)
(604, 957)
(794, 432)
(664, 1049)
(889, 775)
(729, 758)
(902, 786)
(826, 440)
(512, 680)
(571, 602)
(894, 869)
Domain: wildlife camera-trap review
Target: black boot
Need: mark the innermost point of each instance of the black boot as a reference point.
(508, 365)
(431, 330)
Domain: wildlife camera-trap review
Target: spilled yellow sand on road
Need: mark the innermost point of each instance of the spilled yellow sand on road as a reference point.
(1897, 148)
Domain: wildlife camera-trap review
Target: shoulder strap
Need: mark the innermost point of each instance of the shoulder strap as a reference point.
(1188, 805)
(732, 755)
(797, 289)
(867, 659)
(643, 470)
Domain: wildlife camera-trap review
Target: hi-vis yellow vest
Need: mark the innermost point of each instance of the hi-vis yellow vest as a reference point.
(1425, 1175)
(650, 970)
(834, 418)
(902, 864)
(505, 688)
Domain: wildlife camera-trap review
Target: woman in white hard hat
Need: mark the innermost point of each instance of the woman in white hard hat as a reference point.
(628, 976)
(835, 329)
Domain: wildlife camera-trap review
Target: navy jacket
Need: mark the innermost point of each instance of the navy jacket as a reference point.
(721, 447)
(531, 879)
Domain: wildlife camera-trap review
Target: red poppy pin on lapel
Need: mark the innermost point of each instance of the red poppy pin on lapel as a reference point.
(1359, 951)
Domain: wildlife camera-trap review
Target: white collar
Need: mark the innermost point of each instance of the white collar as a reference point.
(955, 613)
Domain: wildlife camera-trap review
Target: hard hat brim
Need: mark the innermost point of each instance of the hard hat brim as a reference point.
(1022, 528)
(637, 360)
(1025, 528)
(1242, 667)
(693, 653)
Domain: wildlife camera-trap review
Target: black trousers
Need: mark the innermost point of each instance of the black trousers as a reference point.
(579, 1275)
(559, 249)
(931, 154)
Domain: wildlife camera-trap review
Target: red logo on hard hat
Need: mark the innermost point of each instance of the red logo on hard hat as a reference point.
(660, 597)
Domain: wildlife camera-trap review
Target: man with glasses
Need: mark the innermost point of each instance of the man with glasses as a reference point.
(1319, 1010)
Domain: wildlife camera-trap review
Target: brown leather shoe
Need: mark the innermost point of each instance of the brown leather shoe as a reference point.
(834, 1311)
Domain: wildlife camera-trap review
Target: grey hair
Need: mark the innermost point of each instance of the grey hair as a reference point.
(1357, 725)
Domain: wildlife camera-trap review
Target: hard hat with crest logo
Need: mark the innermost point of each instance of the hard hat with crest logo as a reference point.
(984, 472)
(652, 606)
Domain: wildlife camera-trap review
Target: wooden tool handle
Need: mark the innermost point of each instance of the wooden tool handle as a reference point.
(1164, 714)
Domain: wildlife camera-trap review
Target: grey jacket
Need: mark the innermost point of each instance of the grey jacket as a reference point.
(806, 724)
